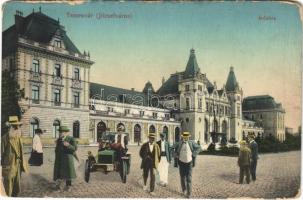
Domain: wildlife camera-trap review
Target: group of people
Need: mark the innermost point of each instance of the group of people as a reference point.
(156, 157)
(247, 161)
(13, 162)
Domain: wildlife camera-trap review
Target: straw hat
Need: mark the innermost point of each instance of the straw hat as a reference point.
(13, 120)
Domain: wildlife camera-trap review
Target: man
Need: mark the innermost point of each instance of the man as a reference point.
(64, 168)
(12, 159)
(150, 155)
(186, 152)
(254, 157)
(244, 162)
(165, 159)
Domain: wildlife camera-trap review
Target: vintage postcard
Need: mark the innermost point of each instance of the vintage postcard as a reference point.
(138, 99)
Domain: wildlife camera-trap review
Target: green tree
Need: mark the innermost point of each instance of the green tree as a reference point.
(10, 95)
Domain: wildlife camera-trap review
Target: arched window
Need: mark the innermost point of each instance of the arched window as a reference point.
(205, 130)
(56, 126)
(76, 129)
(137, 133)
(34, 125)
(165, 131)
(224, 127)
(152, 129)
(121, 125)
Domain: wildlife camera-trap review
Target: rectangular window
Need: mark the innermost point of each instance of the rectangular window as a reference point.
(167, 116)
(36, 67)
(141, 113)
(76, 99)
(238, 110)
(155, 115)
(58, 43)
(126, 111)
(200, 87)
(35, 94)
(57, 70)
(226, 110)
(187, 104)
(76, 74)
(200, 103)
(57, 97)
(186, 87)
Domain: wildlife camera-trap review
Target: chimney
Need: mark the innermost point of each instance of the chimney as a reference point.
(132, 89)
(19, 19)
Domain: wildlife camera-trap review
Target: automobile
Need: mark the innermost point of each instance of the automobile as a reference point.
(112, 156)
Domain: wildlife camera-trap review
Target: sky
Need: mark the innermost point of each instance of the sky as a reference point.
(261, 40)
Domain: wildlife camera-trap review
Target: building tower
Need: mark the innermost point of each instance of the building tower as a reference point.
(234, 94)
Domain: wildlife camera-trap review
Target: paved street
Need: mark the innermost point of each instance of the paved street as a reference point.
(278, 176)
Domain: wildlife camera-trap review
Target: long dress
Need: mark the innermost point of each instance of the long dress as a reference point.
(36, 158)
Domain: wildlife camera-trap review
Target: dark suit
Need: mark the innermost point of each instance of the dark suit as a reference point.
(149, 162)
(254, 158)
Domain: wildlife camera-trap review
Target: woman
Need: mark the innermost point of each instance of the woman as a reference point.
(36, 158)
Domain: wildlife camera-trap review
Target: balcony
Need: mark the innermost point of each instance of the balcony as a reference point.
(35, 101)
(76, 84)
(57, 103)
(35, 76)
(57, 80)
(76, 105)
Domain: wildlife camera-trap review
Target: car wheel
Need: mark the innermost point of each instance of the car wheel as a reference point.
(87, 171)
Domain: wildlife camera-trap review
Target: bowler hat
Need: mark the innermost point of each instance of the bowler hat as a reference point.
(152, 135)
(13, 120)
(185, 134)
(38, 131)
(63, 129)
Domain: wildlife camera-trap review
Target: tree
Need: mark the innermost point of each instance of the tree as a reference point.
(10, 95)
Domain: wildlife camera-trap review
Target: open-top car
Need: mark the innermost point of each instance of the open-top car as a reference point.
(112, 156)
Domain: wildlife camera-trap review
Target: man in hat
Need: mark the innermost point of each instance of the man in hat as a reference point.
(254, 156)
(164, 160)
(244, 162)
(150, 155)
(12, 160)
(64, 168)
(185, 152)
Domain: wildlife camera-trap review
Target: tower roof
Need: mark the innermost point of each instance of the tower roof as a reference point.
(231, 83)
(192, 66)
(148, 86)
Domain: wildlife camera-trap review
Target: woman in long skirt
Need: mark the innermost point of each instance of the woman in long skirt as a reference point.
(36, 158)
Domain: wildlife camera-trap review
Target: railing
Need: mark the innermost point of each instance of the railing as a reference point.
(57, 80)
(76, 83)
(35, 76)
(57, 103)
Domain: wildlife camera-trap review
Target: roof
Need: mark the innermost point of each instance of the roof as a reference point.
(260, 102)
(170, 86)
(147, 86)
(231, 83)
(40, 28)
(192, 67)
(111, 93)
